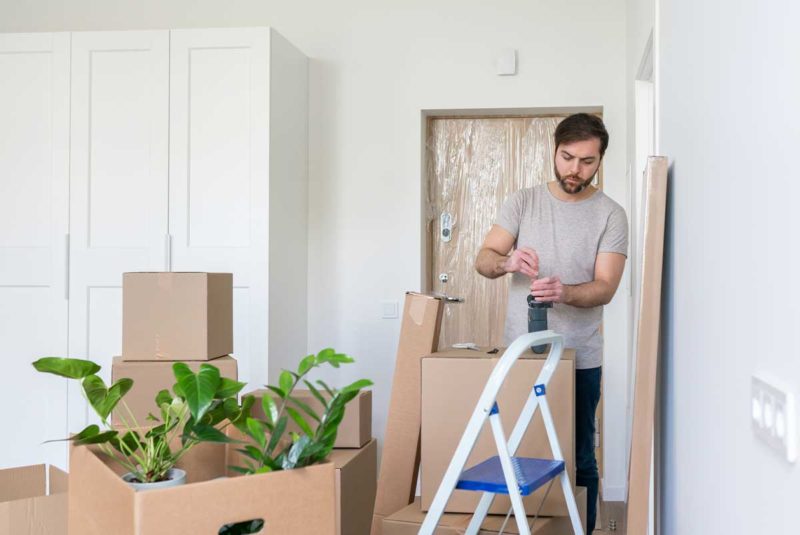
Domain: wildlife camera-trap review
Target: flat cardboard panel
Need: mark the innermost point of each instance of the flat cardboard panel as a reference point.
(452, 382)
(647, 346)
(408, 520)
(355, 430)
(101, 503)
(25, 507)
(149, 378)
(419, 336)
(177, 316)
(356, 482)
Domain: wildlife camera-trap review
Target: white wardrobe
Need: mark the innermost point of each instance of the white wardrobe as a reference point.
(181, 150)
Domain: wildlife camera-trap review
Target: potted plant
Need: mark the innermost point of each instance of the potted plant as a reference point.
(267, 449)
(202, 405)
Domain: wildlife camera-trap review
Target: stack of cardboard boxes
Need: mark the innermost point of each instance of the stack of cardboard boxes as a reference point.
(433, 396)
(167, 318)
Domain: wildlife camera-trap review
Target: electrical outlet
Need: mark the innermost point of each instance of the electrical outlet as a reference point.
(774, 418)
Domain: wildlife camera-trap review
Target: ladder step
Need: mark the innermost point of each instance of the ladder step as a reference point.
(531, 474)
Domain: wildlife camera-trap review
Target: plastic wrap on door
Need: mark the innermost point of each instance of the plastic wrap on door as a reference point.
(472, 166)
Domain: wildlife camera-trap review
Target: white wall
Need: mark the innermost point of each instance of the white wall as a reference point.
(729, 114)
(375, 66)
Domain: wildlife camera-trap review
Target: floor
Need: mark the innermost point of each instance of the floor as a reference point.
(612, 518)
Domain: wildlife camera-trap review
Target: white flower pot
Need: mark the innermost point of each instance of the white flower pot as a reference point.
(175, 477)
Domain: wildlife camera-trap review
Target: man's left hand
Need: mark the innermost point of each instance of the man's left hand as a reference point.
(548, 289)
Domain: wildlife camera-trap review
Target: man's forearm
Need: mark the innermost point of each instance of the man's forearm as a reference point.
(588, 294)
(490, 263)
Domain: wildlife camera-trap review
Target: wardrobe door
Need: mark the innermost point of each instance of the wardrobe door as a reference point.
(219, 165)
(118, 184)
(34, 197)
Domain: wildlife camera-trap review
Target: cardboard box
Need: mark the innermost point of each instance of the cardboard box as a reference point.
(177, 316)
(100, 503)
(26, 506)
(452, 382)
(355, 430)
(356, 481)
(419, 336)
(149, 378)
(408, 520)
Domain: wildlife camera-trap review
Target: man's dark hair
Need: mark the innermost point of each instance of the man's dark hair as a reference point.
(580, 127)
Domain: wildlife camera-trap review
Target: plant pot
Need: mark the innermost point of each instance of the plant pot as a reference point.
(175, 477)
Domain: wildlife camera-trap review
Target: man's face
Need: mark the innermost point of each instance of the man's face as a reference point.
(576, 163)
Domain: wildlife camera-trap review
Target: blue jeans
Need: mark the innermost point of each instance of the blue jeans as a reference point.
(587, 395)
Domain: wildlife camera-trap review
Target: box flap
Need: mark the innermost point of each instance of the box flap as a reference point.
(22, 482)
(59, 480)
(484, 353)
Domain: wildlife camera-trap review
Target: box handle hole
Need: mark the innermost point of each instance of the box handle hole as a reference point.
(248, 527)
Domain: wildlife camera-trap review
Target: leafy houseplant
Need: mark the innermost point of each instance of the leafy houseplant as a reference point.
(269, 449)
(201, 402)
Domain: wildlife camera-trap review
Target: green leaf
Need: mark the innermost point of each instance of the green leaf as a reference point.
(240, 470)
(356, 386)
(129, 440)
(256, 431)
(228, 388)
(300, 421)
(240, 421)
(285, 381)
(252, 452)
(341, 358)
(325, 355)
(328, 389)
(89, 431)
(264, 470)
(316, 394)
(296, 451)
(102, 399)
(270, 409)
(281, 394)
(163, 397)
(305, 408)
(280, 427)
(100, 438)
(306, 364)
(64, 367)
(208, 433)
(199, 388)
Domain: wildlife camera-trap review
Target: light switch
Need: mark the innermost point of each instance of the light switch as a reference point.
(773, 416)
(506, 62)
(390, 310)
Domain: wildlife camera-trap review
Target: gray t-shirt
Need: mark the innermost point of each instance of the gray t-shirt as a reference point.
(567, 237)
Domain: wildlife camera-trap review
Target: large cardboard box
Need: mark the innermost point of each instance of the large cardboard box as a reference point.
(298, 501)
(419, 336)
(27, 506)
(177, 316)
(354, 431)
(149, 378)
(356, 481)
(452, 382)
(408, 520)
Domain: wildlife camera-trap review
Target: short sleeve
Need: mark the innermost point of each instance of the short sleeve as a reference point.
(510, 214)
(615, 236)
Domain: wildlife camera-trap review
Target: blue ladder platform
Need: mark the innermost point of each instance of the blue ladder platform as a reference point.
(531, 474)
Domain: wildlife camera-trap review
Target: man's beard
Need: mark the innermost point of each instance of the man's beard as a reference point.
(567, 187)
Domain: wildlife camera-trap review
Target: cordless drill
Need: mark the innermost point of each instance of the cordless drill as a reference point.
(537, 319)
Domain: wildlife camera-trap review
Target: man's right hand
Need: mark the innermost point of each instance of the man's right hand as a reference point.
(523, 260)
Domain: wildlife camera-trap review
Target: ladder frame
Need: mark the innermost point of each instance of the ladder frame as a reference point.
(486, 409)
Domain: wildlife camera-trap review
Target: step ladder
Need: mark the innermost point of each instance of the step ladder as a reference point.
(504, 473)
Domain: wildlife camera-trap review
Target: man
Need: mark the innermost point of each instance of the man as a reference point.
(570, 244)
